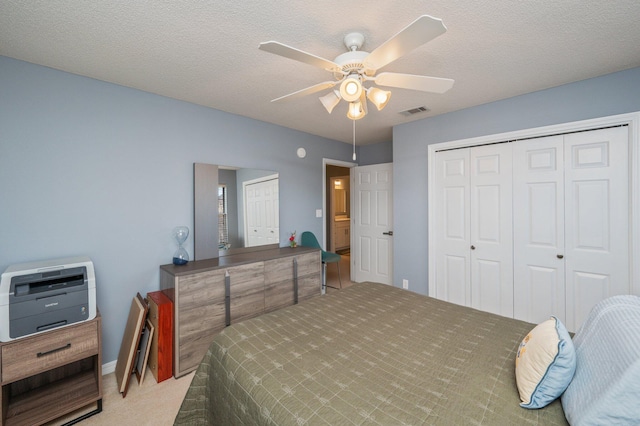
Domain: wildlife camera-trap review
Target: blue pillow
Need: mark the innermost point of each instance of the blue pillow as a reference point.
(545, 364)
(606, 386)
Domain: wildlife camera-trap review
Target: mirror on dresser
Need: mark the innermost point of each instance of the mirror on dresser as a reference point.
(235, 209)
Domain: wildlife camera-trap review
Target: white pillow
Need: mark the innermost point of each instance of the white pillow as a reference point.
(545, 364)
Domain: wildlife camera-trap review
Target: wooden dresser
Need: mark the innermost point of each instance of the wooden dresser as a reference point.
(209, 295)
(51, 374)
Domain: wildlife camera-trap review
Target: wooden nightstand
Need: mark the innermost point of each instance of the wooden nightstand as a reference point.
(51, 374)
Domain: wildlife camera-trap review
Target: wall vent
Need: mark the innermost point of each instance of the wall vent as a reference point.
(413, 111)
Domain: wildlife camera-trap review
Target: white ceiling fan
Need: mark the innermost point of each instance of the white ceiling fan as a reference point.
(351, 70)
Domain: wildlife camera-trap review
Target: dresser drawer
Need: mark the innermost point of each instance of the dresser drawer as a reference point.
(42, 352)
(309, 263)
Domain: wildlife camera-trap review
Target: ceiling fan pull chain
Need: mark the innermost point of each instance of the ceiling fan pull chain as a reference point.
(354, 140)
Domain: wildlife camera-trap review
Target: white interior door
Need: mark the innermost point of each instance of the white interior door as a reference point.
(372, 222)
(453, 239)
(597, 219)
(538, 229)
(491, 228)
(261, 212)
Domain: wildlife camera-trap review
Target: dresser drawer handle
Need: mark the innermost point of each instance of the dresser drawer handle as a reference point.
(67, 346)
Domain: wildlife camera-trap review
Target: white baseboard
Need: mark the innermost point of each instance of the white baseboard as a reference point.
(109, 367)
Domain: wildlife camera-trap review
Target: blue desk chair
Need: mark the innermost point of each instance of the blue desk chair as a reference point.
(309, 240)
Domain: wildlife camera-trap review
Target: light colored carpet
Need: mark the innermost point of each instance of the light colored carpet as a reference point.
(148, 404)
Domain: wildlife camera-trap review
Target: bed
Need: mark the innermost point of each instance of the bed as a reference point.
(368, 354)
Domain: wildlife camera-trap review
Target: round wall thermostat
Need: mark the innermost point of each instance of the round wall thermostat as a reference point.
(302, 152)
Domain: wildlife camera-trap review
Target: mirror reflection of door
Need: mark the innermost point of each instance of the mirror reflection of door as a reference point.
(340, 195)
(261, 211)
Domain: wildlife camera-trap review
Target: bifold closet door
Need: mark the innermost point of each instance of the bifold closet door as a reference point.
(453, 238)
(474, 263)
(571, 224)
(538, 229)
(491, 229)
(596, 219)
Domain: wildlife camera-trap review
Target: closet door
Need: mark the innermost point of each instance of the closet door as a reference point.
(453, 239)
(474, 262)
(491, 228)
(597, 219)
(571, 224)
(538, 229)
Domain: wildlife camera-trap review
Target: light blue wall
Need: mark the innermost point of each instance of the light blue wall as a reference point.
(92, 168)
(611, 94)
(377, 153)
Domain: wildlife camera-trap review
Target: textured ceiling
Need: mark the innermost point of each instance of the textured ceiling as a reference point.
(206, 52)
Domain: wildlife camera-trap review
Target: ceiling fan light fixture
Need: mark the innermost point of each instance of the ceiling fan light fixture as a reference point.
(378, 97)
(330, 100)
(355, 67)
(356, 110)
(351, 88)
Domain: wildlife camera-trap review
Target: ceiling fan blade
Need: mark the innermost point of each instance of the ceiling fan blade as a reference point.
(309, 90)
(420, 31)
(414, 82)
(298, 55)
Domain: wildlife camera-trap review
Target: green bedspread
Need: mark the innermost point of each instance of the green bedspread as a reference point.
(368, 354)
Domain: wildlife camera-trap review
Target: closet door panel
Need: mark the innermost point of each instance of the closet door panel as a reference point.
(597, 219)
(540, 294)
(452, 227)
(491, 228)
(589, 289)
(455, 276)
(487, 295)
(538, 229)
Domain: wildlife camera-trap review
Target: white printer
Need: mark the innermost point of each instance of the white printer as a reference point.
(40, 296)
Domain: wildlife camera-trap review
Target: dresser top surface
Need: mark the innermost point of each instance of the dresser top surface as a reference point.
(236, 259)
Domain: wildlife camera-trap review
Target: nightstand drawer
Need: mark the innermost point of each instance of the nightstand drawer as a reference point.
(51, 349)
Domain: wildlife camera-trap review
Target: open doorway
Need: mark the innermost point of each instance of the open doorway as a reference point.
(337, 223)
(338, 210)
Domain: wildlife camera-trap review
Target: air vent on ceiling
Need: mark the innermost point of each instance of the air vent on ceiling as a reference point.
(413, 111)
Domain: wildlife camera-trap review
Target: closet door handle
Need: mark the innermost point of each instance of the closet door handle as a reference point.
(559, 256)
(388, 233)
(473, 247)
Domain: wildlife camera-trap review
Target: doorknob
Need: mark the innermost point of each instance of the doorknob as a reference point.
(473, 247)
(390, 233)
(559, 256)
